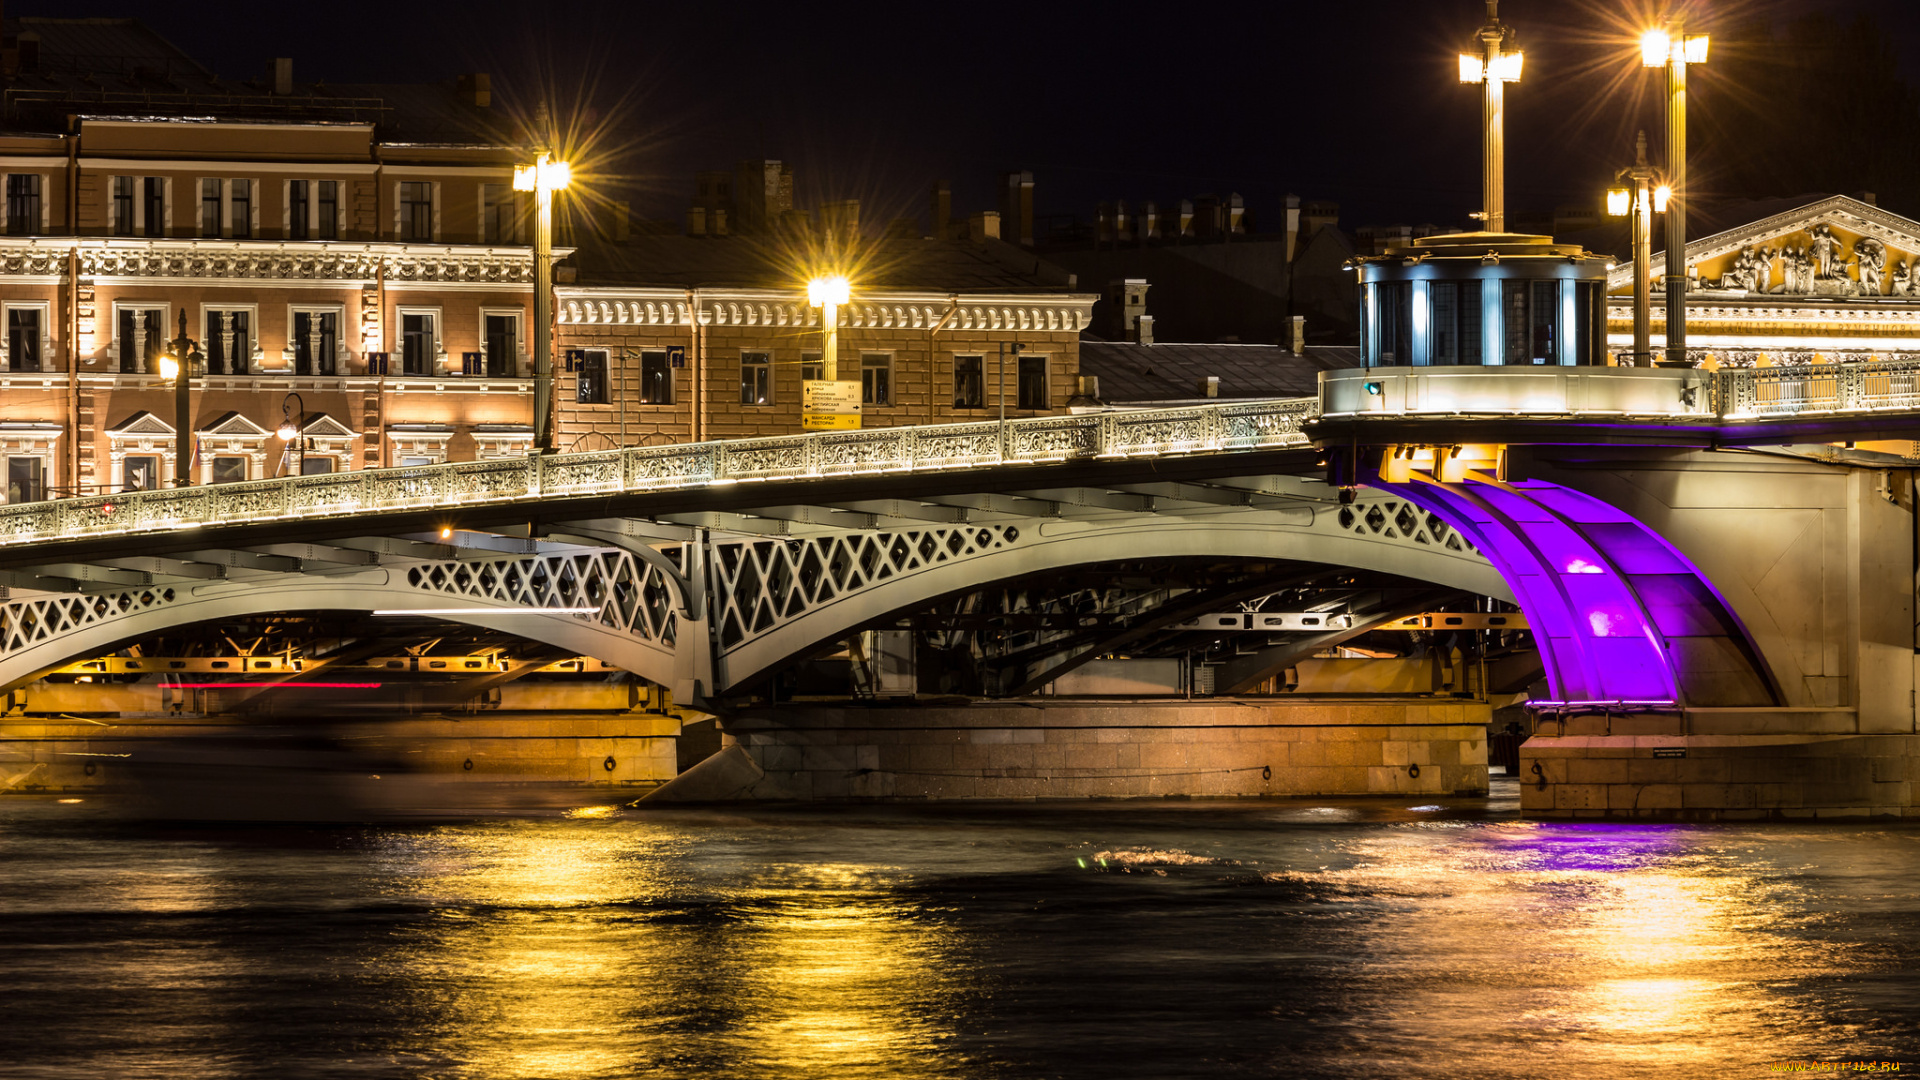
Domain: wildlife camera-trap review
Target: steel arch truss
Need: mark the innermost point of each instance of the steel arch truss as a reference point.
(1618, 612)
(630, 595)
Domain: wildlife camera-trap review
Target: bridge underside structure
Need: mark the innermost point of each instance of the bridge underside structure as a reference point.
(1673, 587)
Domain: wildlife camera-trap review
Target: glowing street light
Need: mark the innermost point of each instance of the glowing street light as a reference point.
(1673, 48)
(291, 430)
(1493, 67)
(544, 177)
(176, 366)
(829, 294)
(1641, 201)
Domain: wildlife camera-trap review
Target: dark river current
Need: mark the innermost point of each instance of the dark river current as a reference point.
(1130, 939)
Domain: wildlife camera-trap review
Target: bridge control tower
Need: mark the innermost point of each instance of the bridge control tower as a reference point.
(1483, 299)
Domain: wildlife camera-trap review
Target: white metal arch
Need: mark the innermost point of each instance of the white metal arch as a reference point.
(1336, 536)
(44, 632)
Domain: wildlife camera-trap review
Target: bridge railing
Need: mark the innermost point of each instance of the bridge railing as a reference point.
(1033, 440)
(1817, 389)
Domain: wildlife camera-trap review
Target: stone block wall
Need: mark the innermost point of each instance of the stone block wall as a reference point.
(1104, 750)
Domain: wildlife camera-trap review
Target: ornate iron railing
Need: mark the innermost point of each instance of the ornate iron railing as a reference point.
(1817, 389)
(1230, 427)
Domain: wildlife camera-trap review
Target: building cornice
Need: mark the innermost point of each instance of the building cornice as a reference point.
(249, 262)
(892, 310)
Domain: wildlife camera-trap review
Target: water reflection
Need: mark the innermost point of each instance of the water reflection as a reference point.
(1353, 940)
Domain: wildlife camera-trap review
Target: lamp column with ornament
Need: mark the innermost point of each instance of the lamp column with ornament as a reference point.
(177, 364)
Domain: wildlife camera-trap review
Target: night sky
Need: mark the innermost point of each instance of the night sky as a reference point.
(1351, 100)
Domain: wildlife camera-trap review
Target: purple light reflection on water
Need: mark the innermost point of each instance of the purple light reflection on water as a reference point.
(1597, 846)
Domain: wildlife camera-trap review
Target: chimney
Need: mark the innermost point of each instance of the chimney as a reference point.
(696, 221)
(761, 190)
(1209, 387)
(1143, 330)
(280, 71)
(1186, 218)
(1299, 335)
(1122, 226)
(1293, 225)
(1150, 222)
(982, 225)
(1236, 210)
(1103, 227)
(477, 89)
(941, 210)
(1016, 207)
(1126, 304)
(717, 223)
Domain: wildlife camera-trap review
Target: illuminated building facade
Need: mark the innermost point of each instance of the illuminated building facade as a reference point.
(354, 260)
(1829, 281)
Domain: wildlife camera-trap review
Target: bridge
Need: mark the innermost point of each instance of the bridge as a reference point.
(1693, 556)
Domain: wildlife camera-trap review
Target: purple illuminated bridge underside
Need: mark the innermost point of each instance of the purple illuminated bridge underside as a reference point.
(1619, 613)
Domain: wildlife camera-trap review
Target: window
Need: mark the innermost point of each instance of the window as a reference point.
(756, 378)
(123, 224)
(23, 339)
(499, 215)
(876, 378)
(503, 345)
(1532, 310)
(141, 333)
(1456, 322)
(26, 479)
(416, 344)
(329, 214)
(154, 203)
(240, 209)
(1033, 382)
(23, 204)
(228, 343)
(656, 379)
(316, 465)
(416, 212)
(591, 378)
(142, 474)
(209, 207)
(969, 385)
(297, 208)
(1392, 323)
(229, 470)
(811, 370)
(316, 335)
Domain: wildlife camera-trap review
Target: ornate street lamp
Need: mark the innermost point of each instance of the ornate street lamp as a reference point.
(292, 428)
(1640, 200)
(1493, 66)
(544, 177)
(829, 294)
(1670, 46)
(176, 365)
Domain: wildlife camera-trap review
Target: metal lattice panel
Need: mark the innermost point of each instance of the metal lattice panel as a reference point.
(1396, 519)
(763, 583)
(28, 622)
(633, 596)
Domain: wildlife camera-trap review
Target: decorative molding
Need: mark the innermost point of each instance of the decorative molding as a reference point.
(1054, 313)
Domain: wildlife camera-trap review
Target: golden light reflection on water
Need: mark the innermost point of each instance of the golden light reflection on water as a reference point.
(552, 965)
(1616, 942)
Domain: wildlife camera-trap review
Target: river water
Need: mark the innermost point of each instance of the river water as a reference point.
(1127, 939)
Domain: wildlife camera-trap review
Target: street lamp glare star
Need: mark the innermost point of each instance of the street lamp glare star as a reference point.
(544, 174)
(169, 368)
(834, 290)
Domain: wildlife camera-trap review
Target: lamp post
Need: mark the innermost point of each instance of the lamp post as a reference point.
(829, 294)
(1641, 200)
(290, 429)
(1493, 67)
(544, 177)
(177, 364)
(1673, 48)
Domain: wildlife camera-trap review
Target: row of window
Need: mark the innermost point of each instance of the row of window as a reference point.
(1533, 327)
(230, 347)
(228, 208)
(757, 381)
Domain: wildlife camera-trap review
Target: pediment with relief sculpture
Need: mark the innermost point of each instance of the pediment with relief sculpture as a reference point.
(1835, 249)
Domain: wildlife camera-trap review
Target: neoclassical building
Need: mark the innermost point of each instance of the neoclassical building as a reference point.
(1835, 280)
(353, 260)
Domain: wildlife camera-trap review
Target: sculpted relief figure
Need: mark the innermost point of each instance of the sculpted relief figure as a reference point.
(1871, 256)
(1796, 266)
(1763, 268)
(1903, 277)
(1823, 247)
